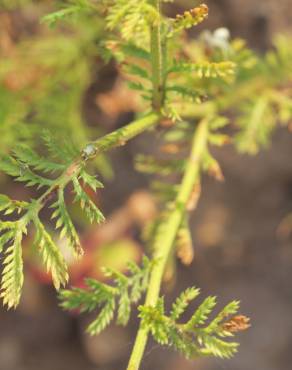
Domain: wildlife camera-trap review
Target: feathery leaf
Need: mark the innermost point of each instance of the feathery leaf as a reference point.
(63, 221)
(51, 255)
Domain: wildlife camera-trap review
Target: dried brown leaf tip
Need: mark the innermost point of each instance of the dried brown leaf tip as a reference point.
(200, 11)
(185, 250)
(236, 323)
(191, 17)
(215, 171)
(194, 198)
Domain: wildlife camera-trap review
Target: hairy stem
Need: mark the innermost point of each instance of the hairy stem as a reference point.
(156, 61)
(165, 240)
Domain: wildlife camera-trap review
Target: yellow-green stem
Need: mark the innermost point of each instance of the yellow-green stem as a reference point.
(156, 60)
(126, 133)
(166, 239)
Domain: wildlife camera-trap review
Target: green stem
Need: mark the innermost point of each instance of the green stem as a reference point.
(156, 61)
(165, 240)
(124, 134)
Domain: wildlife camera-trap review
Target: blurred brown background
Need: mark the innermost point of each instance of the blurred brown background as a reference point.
(243, 248)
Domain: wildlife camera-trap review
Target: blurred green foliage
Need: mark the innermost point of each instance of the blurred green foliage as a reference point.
(43, 78)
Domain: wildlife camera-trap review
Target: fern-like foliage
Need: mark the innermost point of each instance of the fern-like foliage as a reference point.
(27, 166)
(190, 66)
(256, 125)
(199, 336)
(90, 209)
(108, 299)
(70, 9)
(190, 85)
(51, 256)
(12, 274)
(132, 17)
(205, 69)
(260, 113)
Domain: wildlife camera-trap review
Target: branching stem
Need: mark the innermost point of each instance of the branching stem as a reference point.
(166, 239)
(114, 139)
